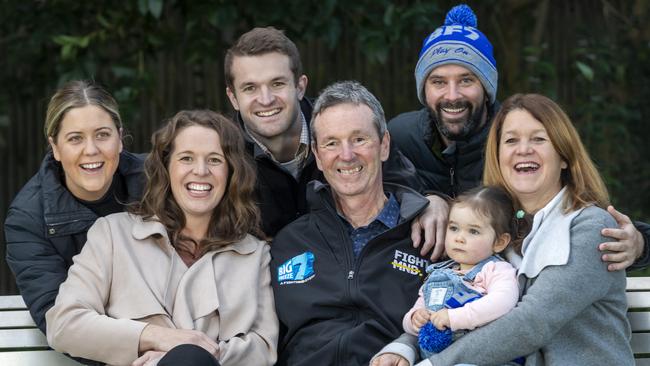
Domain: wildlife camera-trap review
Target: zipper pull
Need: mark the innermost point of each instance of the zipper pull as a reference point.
(451, 176)
(350, 275)
(453, 182)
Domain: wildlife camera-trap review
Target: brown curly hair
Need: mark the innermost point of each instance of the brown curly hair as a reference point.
(236, 214)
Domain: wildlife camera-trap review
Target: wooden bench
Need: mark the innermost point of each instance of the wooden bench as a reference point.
(638, 302)
(22, 344)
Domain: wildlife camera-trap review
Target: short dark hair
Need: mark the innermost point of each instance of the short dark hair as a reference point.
(259, 41)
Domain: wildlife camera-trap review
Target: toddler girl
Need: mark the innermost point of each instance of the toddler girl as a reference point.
(475, 286)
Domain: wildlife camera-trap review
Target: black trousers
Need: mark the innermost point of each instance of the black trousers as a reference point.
(188, 355)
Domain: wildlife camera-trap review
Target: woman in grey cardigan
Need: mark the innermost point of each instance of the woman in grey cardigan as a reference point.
(572, 311)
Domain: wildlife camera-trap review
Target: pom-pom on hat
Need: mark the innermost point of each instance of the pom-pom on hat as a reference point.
(458, 42)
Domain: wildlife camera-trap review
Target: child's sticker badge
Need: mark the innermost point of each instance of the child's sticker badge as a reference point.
(437, 296)
(298, 269)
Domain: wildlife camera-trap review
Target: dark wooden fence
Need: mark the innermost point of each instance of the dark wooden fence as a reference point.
(539, 55)
(182, 86)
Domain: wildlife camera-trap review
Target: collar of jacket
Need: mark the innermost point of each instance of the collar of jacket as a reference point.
(152, 227)
(61, 207)
(410, 201)
(256, 151)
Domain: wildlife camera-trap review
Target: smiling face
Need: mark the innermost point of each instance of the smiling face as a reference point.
(88, 145)
(266, 94)
(470, 237)
(528, 161)
(349, 151)
(456, 101)
(198, 172)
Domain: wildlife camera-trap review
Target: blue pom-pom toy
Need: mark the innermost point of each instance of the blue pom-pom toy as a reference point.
(461, 15)
(433, 340)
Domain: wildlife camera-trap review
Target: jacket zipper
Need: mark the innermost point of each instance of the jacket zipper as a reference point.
(453, 182)
(66, 222)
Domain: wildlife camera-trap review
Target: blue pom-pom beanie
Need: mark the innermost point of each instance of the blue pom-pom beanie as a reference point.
(458, 42)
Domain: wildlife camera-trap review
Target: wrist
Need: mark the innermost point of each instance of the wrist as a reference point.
(430, 192)
(146, 342)
(644, 247)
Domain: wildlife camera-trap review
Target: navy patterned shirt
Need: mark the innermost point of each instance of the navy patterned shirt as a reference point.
(387, 219)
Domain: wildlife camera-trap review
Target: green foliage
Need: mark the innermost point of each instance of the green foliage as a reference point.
(50, 42)
(592, 57)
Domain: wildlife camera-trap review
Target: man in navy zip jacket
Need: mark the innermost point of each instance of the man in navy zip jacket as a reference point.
(345, 273)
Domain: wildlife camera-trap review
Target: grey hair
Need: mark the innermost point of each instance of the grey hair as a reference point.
(351, 92)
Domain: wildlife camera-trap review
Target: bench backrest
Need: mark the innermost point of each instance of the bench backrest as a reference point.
(638, 302)
(21, 343)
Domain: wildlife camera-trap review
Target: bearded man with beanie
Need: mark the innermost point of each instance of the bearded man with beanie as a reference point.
(456, 79)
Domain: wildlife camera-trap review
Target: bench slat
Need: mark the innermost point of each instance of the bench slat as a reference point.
(638, 283)
(642, 361)
(637, 300)
(640, 343)
(13, 302)
(640, 321)
(23, 358)
(16, 319)
(22, 338)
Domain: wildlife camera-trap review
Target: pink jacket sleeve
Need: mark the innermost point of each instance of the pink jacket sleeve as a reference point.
(406, 322)
(499, 280)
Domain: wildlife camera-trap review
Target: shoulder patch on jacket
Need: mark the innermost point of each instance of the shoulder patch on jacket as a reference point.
(298, 269)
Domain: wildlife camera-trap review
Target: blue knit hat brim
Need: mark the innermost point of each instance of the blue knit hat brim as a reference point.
(458, 42)
(456, 53)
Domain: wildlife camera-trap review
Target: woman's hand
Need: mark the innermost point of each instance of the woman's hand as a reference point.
(389, 359)
(440, 319)
(150, 358)
(157, 338)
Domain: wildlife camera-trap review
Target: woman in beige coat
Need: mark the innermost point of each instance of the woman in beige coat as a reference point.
(180, 270)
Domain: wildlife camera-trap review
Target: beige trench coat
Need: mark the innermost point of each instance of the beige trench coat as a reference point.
(128, 275)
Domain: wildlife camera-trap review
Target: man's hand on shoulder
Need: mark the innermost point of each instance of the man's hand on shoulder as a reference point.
(432, 222)
(629, 245)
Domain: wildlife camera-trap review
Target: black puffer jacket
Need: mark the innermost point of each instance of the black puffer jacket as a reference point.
(456, 169)
(282, 198)
(46, 226)
(337, 310)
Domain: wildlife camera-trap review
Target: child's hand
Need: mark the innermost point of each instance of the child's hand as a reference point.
(419, 318)
(440, 319)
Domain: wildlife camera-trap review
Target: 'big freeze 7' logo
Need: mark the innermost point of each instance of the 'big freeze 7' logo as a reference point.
(298, 269)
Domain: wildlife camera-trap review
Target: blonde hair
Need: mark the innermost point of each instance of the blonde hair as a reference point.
(584, 184)
(76, 94)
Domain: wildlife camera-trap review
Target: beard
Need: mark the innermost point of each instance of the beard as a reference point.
(468, 125)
